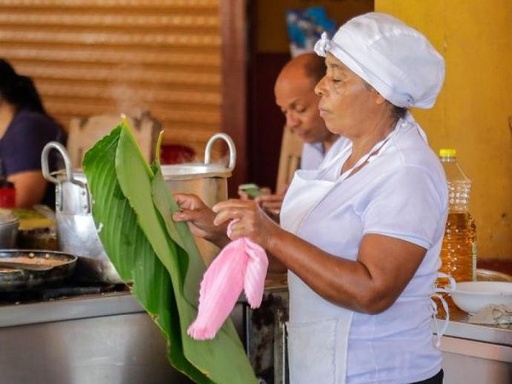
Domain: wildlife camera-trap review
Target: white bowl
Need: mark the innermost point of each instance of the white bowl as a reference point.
(473, 296)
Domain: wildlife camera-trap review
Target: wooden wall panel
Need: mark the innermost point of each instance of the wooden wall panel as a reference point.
(234, 113)
(108, 56)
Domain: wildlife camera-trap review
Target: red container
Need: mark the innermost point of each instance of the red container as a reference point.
(7, 196)
(176, 154)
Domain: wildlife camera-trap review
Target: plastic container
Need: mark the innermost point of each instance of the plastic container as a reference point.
(458, 252)
(7, 195)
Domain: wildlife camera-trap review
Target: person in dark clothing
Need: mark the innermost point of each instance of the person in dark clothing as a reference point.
(25, 128)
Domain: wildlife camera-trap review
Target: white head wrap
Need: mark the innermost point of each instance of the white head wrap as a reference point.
(395, 59)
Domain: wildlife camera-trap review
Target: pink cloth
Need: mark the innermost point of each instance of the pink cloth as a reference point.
(242, 264)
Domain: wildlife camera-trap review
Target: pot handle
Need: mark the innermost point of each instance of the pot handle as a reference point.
(231, 145)
(45, 162)
(45, 167)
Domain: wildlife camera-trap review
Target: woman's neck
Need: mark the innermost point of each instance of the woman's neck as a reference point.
(364, 144)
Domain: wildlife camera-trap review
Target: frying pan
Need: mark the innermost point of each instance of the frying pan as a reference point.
(17, 279)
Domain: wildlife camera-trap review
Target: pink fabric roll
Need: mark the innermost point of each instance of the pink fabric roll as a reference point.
(242, 264)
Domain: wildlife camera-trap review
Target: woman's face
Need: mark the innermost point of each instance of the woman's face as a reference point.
(346, 101)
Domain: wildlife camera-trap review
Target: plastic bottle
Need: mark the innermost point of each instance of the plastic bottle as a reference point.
(7, 190)
(458, 252)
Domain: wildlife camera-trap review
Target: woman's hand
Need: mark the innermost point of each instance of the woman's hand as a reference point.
(252, 222)
(271, 203)
(200, 219)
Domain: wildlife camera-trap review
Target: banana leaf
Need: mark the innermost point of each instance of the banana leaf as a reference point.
(132, 206)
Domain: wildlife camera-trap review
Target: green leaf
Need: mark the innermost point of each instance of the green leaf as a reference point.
(132, 206)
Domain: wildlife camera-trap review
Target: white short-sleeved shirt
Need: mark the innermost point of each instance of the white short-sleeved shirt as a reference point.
(313, 154)
(400, 193)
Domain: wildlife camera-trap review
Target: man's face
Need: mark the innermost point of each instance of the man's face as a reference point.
(295, 95)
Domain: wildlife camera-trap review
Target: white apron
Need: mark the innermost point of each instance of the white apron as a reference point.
(317, 350)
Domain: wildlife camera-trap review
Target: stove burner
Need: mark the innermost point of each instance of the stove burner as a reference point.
(58, 293)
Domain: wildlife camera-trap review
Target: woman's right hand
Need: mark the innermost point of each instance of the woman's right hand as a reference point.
(200, 219)
(249, 220)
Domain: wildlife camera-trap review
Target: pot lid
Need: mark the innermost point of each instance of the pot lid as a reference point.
(186, 171)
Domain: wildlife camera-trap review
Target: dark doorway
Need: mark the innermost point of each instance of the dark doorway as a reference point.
(255, 47)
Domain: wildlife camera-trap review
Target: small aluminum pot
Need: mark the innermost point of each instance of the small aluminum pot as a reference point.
(76, 231)
(207, 180)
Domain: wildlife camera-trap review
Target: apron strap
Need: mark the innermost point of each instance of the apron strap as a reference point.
(438, 295)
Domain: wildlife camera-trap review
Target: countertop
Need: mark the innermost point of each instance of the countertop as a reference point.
(82, 307)
(459, 326)
(118, 303)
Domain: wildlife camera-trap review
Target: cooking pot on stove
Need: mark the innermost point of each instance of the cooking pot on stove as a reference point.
(76, 231)
(208, 180)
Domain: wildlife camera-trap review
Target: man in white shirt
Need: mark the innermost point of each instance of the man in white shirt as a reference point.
(294, 93)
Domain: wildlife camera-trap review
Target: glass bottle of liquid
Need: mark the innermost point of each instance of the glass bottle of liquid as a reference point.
(458, 252)
(7, 190)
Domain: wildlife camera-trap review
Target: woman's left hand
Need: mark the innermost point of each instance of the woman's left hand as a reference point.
(252, 222)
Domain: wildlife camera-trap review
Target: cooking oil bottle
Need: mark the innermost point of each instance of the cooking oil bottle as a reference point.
(458, 252)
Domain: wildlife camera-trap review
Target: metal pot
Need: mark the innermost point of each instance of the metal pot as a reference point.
(76, 231)
(207, 180)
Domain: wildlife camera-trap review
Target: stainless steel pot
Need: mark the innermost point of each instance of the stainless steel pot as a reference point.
(208, 180)
(76, 232)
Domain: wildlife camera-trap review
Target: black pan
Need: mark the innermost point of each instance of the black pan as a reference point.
(17, 279)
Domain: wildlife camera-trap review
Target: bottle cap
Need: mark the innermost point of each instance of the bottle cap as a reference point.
(447, 152)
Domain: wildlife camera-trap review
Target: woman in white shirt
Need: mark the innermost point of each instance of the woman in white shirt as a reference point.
(360, 237)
